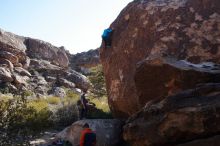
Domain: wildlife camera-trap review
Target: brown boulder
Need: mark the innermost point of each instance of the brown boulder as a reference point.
(187, 116)
(9, 56)
(18, 65)
(81, 81)
(158, 78)
(59, 92)
(19, 80)
(39, 85)
(45, 66)
(66, 83)
(6, 63)
(26, 63)
(22, 71)
(42, 50)
(5, 75)
(11, 42)
(210, 141)
(182, 29)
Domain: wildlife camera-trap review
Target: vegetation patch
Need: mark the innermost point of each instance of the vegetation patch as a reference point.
(53, 100)
(20, 122)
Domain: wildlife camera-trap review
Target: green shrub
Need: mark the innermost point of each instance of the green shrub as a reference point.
(4, 98)
(28, 93)
(101, 109)
(97, 79)
(20, 122)
(71, 97)
(71, 94)
(66, 115)
(41, 120)
(63, 115)
(4, 90)
(101, 103)
(53, 100)
(38, 104)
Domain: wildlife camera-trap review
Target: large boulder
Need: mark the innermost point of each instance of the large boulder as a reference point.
(108, 132)
(210, 141)
(44, 66)
(157, 78)
(5, 75)
(185, 117)
(21, 71)
(66, 83)
(59, 92)
(6, 63)
(19, 81)
(38, 85)
(81, 81)
(182, 29)
(9, 56)
(42, 50)
(12, 43)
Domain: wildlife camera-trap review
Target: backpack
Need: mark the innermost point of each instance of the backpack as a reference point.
(107, 33)
(90, 139)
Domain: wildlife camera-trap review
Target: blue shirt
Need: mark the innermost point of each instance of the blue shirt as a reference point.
(106, 33)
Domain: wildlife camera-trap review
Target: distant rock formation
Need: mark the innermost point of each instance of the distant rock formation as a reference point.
(178, 29)
(35, 65)
(42, 50)
(81, 62)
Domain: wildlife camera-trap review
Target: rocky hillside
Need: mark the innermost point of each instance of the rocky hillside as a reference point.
(163, 72)
(82, 62)
(35, 65)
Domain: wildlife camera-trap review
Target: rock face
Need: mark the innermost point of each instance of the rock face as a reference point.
(183, 118)
(10, 41)
(108, 132)
(157, 78)
(213, 141)
(42, 50)
(12, 47)
(180, 29)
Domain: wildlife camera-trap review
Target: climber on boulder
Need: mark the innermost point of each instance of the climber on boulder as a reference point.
(107, 37)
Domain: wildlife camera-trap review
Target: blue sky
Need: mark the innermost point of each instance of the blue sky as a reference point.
(75, 24)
